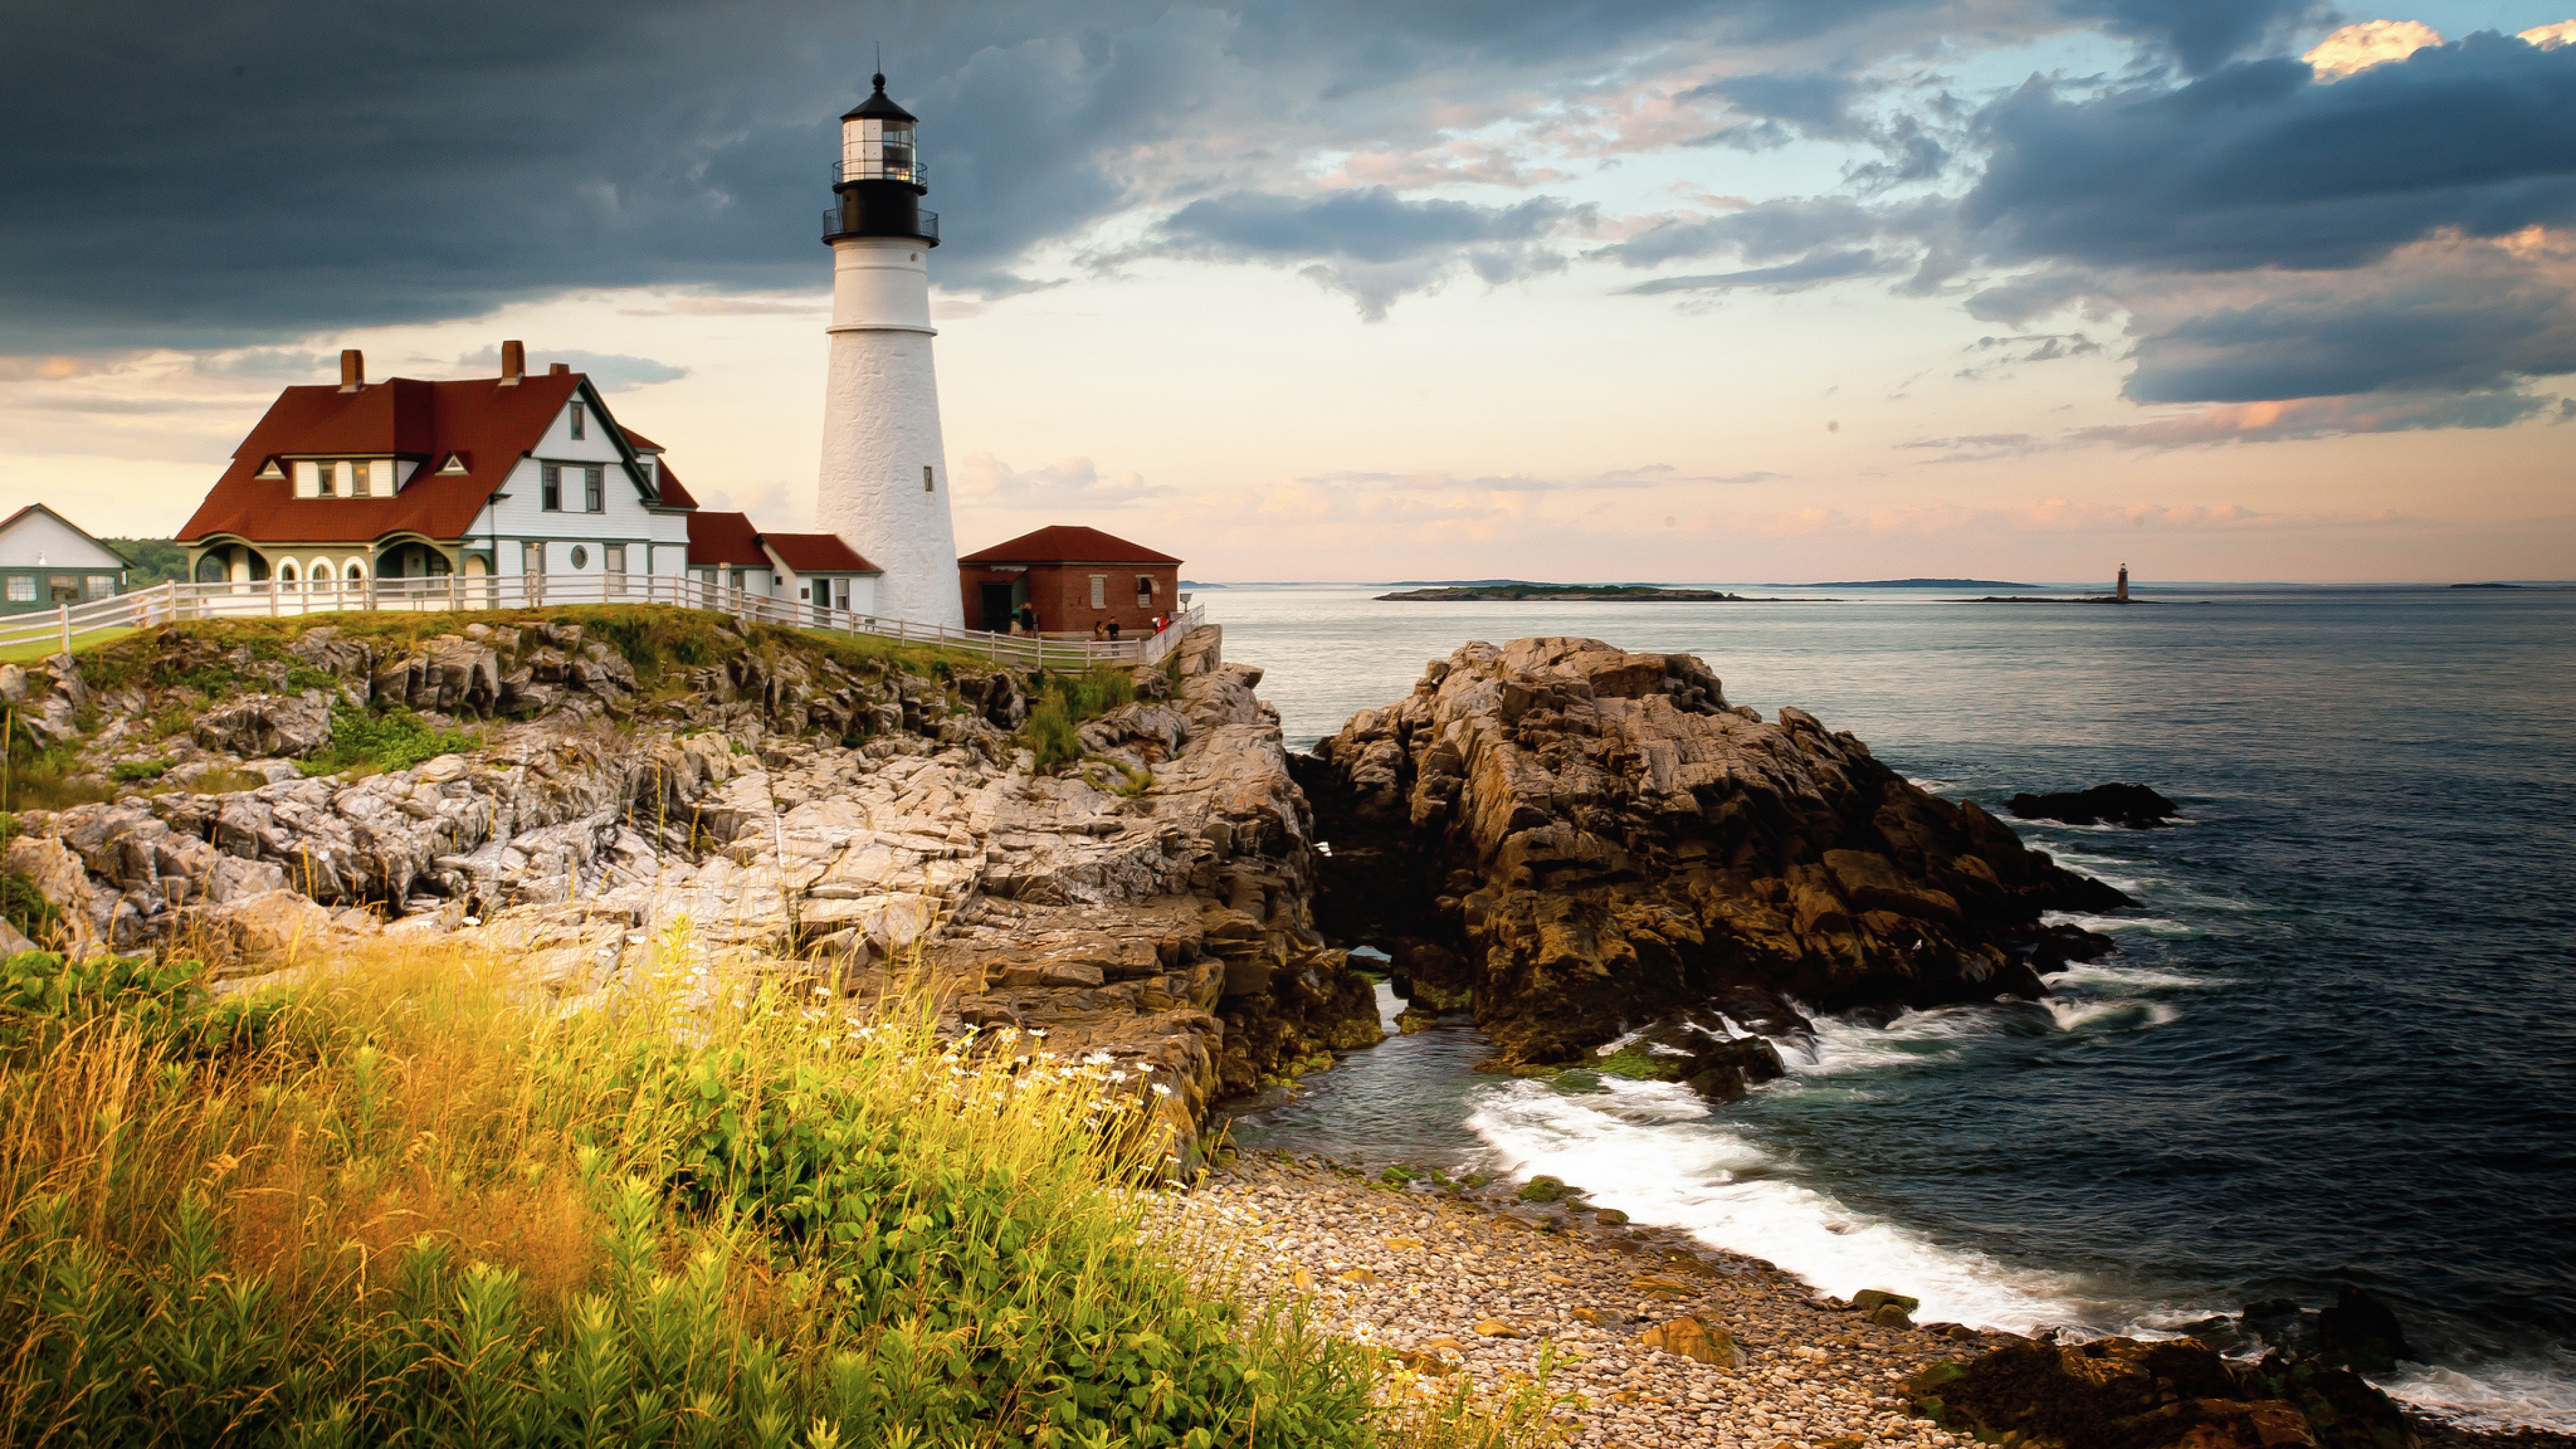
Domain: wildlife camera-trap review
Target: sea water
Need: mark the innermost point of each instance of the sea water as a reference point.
(2337, 1045)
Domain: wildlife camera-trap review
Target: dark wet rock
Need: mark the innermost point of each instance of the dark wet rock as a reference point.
(1576, 840)
(2118, 1393)
(2134, 806)
(2360, 1332)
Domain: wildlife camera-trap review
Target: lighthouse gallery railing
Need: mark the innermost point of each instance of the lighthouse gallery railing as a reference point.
(170, 603)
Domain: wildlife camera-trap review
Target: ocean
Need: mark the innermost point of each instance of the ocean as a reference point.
(2337, 1045)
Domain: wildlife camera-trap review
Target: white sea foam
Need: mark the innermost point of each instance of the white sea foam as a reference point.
(2095, 976)
(2073, 1014)
(1653, 1151)
(2114, 925)
(2538, 1392)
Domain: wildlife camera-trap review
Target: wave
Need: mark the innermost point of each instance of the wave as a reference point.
(2513, 1395)
(2114, 925)
(2095, 975)
(1654, 1152)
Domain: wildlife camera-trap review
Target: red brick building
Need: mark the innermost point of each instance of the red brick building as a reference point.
(1075, 577)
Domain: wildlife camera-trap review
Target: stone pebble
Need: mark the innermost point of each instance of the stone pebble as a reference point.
(1459, 1287)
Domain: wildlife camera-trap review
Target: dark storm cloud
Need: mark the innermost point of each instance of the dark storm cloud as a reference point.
(2204, 34)
(2473, 325)
(2258, 166)
(192, 174)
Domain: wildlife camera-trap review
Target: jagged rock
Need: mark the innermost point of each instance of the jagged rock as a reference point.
(2118, 1393)
(2134, 806)
(327, 650)
(1580, 839)
(262, 725)
(1169, 926)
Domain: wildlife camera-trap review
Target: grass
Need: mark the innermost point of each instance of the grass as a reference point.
(38, 650)
(1063, 703)
(405, 1201)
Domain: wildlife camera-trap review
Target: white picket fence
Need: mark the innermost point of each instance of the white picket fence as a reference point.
(271, 598)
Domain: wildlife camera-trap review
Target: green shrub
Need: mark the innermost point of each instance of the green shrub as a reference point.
(1060, 706)
(131, 770)
(395, 740)
(422, 1206)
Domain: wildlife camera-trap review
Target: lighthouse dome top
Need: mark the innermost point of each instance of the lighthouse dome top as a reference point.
(878, 107)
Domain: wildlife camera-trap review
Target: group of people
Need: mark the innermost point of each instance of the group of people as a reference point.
(1024, 620)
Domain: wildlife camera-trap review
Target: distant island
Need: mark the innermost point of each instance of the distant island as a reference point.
(1912, 584)
(1514, 590)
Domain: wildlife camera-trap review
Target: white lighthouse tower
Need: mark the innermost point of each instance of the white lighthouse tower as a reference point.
(884, 483)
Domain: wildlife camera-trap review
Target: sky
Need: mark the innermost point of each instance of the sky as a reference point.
(1685, 290)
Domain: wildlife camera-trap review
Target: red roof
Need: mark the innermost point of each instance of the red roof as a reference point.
(724, 538)
(672, 493)
(816, 553)
(1068, 543)
(490, 427)
(638, 441)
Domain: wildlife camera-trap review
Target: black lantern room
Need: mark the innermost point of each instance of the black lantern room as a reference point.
(880, 178)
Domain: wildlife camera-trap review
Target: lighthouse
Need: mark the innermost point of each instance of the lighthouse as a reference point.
(884, 481)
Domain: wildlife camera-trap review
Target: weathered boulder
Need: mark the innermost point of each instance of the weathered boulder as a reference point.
(2118, 1393)
(1579, 839)
(1692, 1337)
(267, 726)
(2134, 806)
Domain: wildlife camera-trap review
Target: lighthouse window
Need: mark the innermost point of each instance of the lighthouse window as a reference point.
(926, 485)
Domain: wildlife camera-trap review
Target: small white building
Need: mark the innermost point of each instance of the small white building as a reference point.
(819, 569)
(47, 560)
(509, 475)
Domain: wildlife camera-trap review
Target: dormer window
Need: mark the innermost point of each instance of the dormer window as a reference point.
(326, 480)
(362, 477)
(580, 426)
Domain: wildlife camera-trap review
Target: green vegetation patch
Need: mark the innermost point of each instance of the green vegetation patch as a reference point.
(1636, 1066)
(1063, 703)
(406, 1202)
(394, 740)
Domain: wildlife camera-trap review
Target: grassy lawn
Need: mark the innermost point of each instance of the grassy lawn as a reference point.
(52, 644)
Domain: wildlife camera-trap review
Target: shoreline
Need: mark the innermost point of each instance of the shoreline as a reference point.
(1422, 1273)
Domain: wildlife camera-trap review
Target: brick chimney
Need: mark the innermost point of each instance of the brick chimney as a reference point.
(353, 369)
(514, 362)
(558, 369)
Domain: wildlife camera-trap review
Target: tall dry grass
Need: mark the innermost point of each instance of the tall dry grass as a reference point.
(410, 1201)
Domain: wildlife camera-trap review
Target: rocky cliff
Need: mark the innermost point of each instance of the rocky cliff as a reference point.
(869, 817)
(1592, 846)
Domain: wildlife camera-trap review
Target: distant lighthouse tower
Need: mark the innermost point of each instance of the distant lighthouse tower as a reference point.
(884, 482)
(2123, 595)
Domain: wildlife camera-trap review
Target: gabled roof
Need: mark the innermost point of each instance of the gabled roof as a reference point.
(817, 553)
(673, 495)
(638, 441)
(13, 519)
(720, 539)
(1068, 543)
(489, 426)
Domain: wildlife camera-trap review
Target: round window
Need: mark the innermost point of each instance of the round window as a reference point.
(580, 557)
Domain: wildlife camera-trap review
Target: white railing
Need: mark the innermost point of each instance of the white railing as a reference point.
(273, 598)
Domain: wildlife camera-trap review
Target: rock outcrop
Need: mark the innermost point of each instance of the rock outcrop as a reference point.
(2134, 806)
(786, 801)
(2119, 1393)
(1586, 843)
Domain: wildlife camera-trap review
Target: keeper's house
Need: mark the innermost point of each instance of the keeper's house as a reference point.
(401, 479)
(46, 560)
(1075, 577)
(819, 569)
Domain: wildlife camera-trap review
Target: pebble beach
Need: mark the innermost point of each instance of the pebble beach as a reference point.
(1479, 1283)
